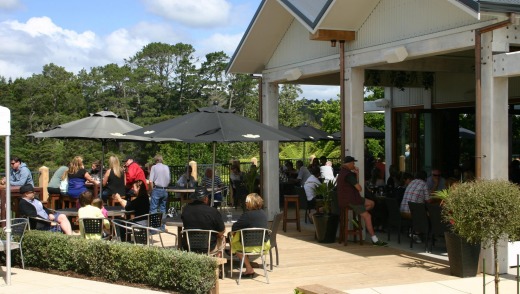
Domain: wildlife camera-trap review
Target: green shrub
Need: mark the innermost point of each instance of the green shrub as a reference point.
(117, 261)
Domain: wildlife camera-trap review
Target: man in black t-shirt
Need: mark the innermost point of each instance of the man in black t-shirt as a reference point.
(198, 215)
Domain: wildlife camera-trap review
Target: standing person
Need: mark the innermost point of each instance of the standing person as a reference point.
(236, 178)
(253, 217)
(78, 175)
(133, 172)
(159, 179)
(32, 207)
(114, 179)
(198, 215)
(55, 181)
(326, 172)
(349, 195)
(20, 173)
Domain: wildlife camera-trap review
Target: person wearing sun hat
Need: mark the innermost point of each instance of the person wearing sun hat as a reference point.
(198, 215)
(349, 195)
(32, 207)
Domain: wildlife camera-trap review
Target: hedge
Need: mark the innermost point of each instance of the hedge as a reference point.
(167, 269)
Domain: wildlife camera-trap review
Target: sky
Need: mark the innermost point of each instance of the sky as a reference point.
(83, 34)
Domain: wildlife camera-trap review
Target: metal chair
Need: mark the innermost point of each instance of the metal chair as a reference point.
(92, 228)
(153, 220)
(438, 225)
(420, 222)
(199, 241)
(252, 239)
(121, 230)
(18, 227)
(394, 218)
(274, 231)
(144, 235)
(41, 224)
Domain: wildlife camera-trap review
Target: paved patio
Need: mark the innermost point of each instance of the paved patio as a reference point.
(356, 269)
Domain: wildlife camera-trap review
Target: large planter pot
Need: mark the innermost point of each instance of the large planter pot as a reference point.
(463, 257)
(326, 226)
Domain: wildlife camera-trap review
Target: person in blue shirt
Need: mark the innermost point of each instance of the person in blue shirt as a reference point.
(20, 174)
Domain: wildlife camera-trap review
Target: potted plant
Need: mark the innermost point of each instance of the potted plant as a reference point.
(484, 211)
(325, 222)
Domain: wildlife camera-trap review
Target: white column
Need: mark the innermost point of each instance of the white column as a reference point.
(494, 125)
(270, 154)
(494, 134)
(354, 143)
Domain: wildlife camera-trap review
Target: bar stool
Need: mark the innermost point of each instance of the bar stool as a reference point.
(345, 231)
(291, 199)
(67, 202)
(53, 198)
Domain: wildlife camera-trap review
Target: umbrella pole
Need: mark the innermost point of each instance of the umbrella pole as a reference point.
(8, 209)
(213, 174)
(101, 172)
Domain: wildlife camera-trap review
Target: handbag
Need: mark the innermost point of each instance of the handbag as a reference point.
(64, 186)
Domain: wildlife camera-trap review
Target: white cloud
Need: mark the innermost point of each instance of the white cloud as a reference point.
(10, 4)
(219, 42)
(194, 13)
(319, 92)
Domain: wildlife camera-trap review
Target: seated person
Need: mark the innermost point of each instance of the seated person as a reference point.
(140, 204)
(186, 179)
(89, 211)
(54, 183)
(309, 186)
(253, 217)
(198, 215)
(32, 207)
(207, 182)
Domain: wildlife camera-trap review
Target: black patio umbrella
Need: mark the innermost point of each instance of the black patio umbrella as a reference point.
(466, 134)
(370, 133)
(313, 134)
(211, 125)
(103, 126)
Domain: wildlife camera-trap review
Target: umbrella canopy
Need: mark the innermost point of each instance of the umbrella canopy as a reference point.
(313, 134)
(103, 126)
(466, 134)
(213, 124)
(370, 133)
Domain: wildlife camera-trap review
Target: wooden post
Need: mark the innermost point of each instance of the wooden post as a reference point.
(44, 183)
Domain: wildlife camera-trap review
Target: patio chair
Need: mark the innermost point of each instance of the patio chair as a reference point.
(41, 224)
(394, 218)
(199, 241)
(144, 235)
(274, 231)
(92, 228)
(438, 225)
(303, 202)
(420, 222)
(18, 227)
(121, 230)
(253, 243)
(153, 220)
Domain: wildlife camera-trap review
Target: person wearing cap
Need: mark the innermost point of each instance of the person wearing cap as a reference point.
(198, 215)
(133, 172)
(160, 179)
(19, 175)
(349, 195)
(32, 207)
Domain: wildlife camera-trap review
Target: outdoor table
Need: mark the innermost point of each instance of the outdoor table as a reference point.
(177, 222)
(185, 193)
(112, 211)
(15, 198)
(94, 187)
